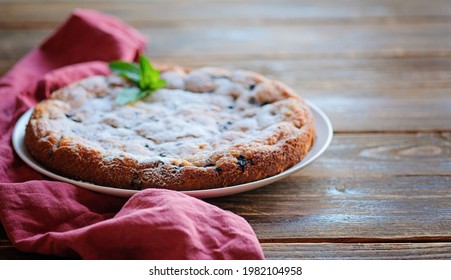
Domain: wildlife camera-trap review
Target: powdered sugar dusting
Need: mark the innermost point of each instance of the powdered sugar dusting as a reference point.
(197, 115)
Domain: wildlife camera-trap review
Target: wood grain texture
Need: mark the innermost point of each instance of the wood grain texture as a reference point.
(390, 186)
(278, 40)
(316, 251)
(398, 76)
(299, 39)
(362, 94)
(362, 251)
(365, 155)
(32, 14)
(392, 114)
(380, 69)
(362, 189)
(350, 209)
(365, 95)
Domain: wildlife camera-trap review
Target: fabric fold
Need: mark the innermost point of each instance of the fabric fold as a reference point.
(56, 218)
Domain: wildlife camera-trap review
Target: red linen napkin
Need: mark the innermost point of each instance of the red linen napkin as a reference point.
(57, 218)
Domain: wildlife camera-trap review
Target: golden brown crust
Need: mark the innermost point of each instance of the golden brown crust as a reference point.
(50, 141)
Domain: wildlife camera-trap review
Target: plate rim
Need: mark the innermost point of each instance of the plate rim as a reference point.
(19, 147)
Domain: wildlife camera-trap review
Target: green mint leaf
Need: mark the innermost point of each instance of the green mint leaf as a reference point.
(128, 95)
(143, 75)
(126, 69)
(158, 84)
(150, 77)
(146, 72)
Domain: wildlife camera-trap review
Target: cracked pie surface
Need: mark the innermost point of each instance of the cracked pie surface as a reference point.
(207, 128)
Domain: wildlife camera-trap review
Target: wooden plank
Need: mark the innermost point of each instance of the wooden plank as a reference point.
(373, 114)
(278, 251)
(14, 43)
(350, 196)
(347, 209)
(365, 188)
(257, 40)
(322, 77)
(142, 13)
(371, 251)
(318, 251)
(332, 73)
(364, 155)
(356, 77)
(253, 40)
(414, 94)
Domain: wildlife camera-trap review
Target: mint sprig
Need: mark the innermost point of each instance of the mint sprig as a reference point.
(143, 75)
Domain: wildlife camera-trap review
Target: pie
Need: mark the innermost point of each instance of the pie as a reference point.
(207, 128)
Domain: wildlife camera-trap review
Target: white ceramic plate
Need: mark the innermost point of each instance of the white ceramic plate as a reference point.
(324, 137)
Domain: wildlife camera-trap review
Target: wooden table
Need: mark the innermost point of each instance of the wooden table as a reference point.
(380, 69)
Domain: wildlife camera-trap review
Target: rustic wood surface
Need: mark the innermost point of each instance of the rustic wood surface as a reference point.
(380, 69)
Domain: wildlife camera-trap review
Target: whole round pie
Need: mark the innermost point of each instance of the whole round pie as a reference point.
(207, 128)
